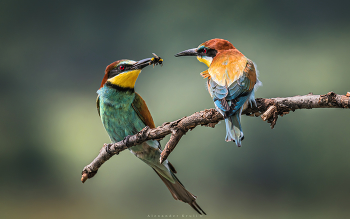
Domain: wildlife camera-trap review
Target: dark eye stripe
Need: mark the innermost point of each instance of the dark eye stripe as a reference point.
(119, 69)
(207, 52)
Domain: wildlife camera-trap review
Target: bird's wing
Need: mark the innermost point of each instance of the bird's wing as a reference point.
(98, 104)
(142, 111)
(229, 99)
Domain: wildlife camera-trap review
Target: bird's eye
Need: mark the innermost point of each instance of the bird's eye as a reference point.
(204, 50)
(121, 67)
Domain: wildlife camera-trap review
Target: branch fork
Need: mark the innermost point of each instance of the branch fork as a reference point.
(269, 109)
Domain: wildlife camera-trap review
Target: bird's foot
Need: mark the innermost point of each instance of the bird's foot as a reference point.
(107, 146)
(126, 141)
(144, 132)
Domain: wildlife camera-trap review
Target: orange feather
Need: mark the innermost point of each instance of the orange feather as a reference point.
(250, 73)
(142, 111)
(227, 66)
(219, 44)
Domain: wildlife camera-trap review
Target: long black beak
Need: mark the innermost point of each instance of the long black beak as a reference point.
(189, 52)
(142, 63)
(156, 60)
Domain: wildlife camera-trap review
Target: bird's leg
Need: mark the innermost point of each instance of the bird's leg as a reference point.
(107, 146)
(126, 141)
(144, 132)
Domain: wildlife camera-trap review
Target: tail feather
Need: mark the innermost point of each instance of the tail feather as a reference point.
(171, 167)
(233, 129)
(179, 192)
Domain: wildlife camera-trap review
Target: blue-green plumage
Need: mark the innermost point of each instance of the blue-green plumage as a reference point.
(120, 120)
(123, 112)
(229, 101)
(232, 80)
(117, 114)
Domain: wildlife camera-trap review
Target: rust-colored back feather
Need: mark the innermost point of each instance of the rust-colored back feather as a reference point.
(227, 66)
(250, 73)
(142, 111)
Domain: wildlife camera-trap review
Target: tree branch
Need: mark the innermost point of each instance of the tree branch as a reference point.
(269, 109)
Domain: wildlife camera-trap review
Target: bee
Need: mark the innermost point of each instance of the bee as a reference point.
(156, 60)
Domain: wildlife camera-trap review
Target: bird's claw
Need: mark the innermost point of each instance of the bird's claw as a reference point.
(126, 141)
(107, 146)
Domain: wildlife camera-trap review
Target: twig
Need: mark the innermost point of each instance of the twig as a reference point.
(269, 112)
(270, 108)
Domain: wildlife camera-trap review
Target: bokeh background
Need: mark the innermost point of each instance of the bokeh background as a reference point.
(53, 56)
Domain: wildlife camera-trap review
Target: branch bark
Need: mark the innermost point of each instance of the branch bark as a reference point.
(269, 109)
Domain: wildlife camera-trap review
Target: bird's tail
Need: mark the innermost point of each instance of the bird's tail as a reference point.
(179, 192)
(233, 129)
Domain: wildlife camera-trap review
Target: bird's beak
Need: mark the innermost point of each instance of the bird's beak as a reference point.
(142, 63)
(149, 61)
(189, 52)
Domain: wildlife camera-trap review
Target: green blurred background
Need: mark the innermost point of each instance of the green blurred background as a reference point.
(53, 56)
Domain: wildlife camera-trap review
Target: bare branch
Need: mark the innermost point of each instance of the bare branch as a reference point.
(269, 108)
(169, 147)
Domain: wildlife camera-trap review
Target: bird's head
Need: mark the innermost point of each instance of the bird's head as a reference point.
(206, 51)
(124, 73)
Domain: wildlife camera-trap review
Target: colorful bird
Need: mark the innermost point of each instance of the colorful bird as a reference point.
(232, 79)
(123, 113)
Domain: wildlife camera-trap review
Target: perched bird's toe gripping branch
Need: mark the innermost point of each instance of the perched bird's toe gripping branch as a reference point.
(210, 117)
(120, 78)
(232, 80)
(125, 116)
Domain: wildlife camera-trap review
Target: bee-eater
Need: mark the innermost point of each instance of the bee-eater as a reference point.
(232, 79)
(123, 112)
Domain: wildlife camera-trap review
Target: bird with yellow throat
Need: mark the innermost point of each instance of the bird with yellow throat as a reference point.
(232, 80)
(123, 113)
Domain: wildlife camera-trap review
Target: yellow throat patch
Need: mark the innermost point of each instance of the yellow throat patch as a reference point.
(205, 60)
(126, 79)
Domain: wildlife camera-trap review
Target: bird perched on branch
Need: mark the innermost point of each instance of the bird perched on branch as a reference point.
(123, 113)
(232, 79)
